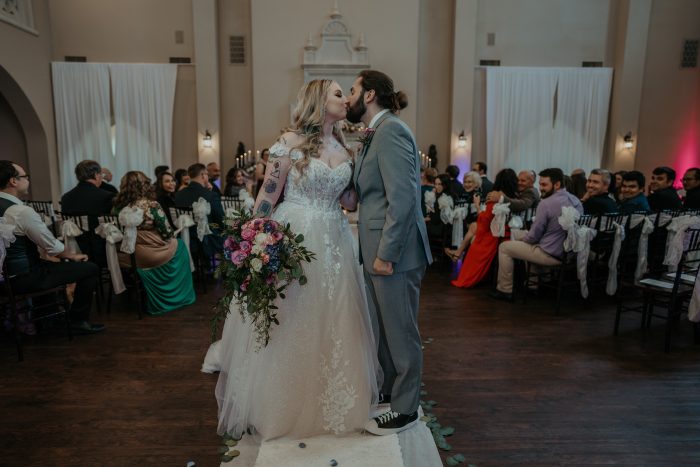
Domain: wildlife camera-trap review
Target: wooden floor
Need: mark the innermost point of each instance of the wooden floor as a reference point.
(520, 385)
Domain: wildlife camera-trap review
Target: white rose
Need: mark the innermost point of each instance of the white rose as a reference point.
(258, 249)
(260, 238)
(256, 264)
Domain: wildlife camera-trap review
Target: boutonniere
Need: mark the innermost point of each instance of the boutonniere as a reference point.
(366, 137)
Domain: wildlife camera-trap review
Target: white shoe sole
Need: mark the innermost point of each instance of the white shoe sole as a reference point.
(372, 427)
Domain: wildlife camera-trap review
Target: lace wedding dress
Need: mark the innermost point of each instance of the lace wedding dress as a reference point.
(319, 372)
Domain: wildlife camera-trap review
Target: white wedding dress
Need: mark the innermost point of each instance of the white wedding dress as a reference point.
(319, 372)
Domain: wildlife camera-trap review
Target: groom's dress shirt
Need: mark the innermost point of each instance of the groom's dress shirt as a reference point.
(377, 117)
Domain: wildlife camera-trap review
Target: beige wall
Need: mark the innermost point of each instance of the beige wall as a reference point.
(280, 30)
(669, 126)
(14, 144)
(134, 31)
(235, 81)
(121, 30)
(542, 32)
(435, 77)
(26, 58)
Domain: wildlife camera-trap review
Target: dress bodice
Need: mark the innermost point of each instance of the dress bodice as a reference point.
(319, 187)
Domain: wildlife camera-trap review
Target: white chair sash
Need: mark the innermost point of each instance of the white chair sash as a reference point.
(584, 235)
(578, 239)
(611, 286)
(130, 218)
(429, 200)
(69, 231)
(516, 222)
(201, 209)
(446, 204)
(676, 234)
(458, 216)
(248, 201)
(183, 224)
(694, 306)
(112, 236)
(647, 229)
(7, 236)
(500, 214)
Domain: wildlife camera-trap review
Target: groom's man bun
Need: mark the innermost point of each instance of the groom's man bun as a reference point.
(383, 87)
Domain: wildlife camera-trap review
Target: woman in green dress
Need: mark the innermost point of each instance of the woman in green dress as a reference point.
(162, 261)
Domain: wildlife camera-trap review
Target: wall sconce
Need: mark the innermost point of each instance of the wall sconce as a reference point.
(628, 141)
(206, 141)
(462, 143)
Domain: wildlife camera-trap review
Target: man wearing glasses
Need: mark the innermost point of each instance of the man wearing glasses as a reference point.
(27, 271)
(691, 185)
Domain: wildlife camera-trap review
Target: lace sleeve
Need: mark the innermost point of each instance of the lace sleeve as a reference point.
(159, 221)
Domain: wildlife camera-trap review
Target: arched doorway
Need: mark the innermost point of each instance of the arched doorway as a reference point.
(34, 152)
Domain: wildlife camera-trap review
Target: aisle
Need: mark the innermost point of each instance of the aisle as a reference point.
(411, 448)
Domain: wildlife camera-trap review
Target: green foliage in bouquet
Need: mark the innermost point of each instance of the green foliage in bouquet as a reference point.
(261, 259)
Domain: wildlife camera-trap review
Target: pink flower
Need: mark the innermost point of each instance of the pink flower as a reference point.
(230, 244)
(265, 258)
(238, 257)
(244, 285)
(258, 224)
(277, 236)
(246, 246)
(271, 279)
(248, 234)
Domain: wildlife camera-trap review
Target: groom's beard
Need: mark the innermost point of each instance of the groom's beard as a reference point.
(355, 112)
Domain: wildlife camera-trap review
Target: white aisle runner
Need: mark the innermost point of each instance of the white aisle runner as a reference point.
(411, 448)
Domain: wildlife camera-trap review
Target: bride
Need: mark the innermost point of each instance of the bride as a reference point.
(319, 371)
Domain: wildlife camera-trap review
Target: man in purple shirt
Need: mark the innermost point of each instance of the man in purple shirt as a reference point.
(544, 243)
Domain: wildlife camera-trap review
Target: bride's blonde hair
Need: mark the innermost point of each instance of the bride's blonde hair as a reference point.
(308, 117)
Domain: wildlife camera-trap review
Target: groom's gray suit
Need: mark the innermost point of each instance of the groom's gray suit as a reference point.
(391, 228)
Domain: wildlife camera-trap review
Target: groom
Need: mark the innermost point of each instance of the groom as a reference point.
(394, 246)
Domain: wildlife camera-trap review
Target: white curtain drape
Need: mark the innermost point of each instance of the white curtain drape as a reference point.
(583, 97)
(546, 117)
(143, 96)
(81, 105)
(519, 117)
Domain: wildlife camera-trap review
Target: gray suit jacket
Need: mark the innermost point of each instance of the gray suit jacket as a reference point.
(387, 180)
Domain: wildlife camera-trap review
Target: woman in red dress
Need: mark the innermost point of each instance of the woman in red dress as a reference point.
(482, 245)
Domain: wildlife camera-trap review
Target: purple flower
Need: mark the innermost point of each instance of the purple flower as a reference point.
(238, 257)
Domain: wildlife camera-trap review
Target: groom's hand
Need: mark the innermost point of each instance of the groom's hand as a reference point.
(383, 268)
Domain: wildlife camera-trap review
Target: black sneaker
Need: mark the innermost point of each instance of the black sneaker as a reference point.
(391, 422)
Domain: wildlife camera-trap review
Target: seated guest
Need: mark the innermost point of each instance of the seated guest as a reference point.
(162, 262)
(617, 191)
(214, 174)
(479, 239)
(525, 198)
(486, 184)
(633, 199)
(165, 193)
(428, 177)
(471, 182)
(578, 183)
(181, 179)
(27, 271)
(235, 182)
(440, 232)
(160, 169)
(88, 199)
(455, 187)
(107, 180)
(544, 243)
(597, 199)
(663, 195)
(260, 168)
(187, 197)
(691, 185)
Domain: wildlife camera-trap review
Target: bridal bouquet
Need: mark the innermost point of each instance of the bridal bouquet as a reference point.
(261, 259)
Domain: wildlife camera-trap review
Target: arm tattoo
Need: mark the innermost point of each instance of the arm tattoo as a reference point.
(270, 186)
(275, 170)
(264, 209)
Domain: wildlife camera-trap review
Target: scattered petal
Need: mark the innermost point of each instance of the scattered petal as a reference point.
(447, 431)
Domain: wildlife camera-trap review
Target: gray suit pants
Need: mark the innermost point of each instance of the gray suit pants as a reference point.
(393, 305)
